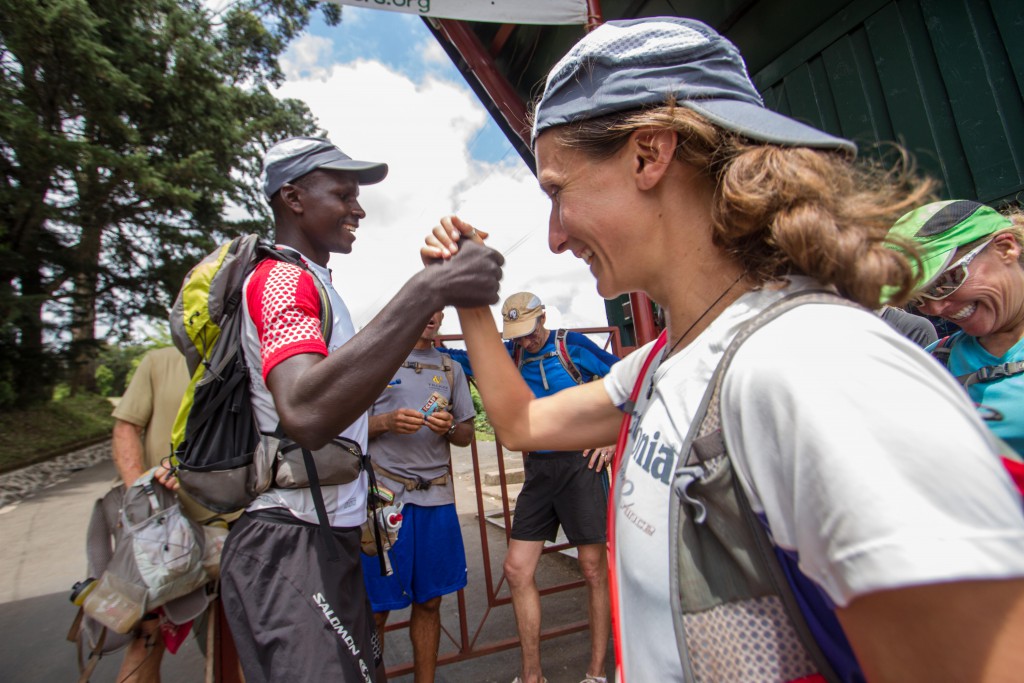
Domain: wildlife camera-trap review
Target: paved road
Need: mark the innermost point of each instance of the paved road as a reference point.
(43, 537)
(43, 541)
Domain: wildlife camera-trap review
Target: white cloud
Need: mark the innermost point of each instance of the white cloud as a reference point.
(432, 52)
(423, 131)
(305, 58)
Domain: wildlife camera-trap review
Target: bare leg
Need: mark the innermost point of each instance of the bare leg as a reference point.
(593, 559)
(381, 620)
(425, 633)
(520, 566)
(141, 664)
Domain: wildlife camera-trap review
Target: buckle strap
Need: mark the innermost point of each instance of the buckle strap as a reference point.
(991, 373)
(417, 484)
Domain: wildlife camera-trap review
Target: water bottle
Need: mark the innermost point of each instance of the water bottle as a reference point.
(390, 518)
(112, 601)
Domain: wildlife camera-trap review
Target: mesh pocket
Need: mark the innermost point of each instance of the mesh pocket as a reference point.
(751, 641)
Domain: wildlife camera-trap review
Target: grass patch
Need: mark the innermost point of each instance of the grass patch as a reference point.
(52, 429)
(484, 436)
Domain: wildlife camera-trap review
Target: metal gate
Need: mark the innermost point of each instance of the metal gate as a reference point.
(466, 641)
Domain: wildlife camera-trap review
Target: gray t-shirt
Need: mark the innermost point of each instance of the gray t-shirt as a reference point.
(421, 454)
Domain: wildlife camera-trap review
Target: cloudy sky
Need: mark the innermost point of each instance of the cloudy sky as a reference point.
(384, 90)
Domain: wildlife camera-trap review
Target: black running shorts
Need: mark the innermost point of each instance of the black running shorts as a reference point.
(296, 616)
(560, 489)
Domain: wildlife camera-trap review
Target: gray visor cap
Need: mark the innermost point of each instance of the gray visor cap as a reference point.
(638, 63)
(293, 158)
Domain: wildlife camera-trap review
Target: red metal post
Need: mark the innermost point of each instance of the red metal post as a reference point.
(481, 65)
(594, 18)
(643, 318)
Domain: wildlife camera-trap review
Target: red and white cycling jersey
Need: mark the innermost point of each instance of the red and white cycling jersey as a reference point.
(282, 310)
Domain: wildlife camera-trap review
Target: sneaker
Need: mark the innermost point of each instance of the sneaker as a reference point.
(594, 679)
(517, 679)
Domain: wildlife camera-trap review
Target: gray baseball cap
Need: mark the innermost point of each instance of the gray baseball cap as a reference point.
(293, 158)
(636, 63)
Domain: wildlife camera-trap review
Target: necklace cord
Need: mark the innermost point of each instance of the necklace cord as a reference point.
(706, 311)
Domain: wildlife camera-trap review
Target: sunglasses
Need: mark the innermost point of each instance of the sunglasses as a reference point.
(951, 279)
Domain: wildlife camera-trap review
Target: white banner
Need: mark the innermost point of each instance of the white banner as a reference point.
(500, 11)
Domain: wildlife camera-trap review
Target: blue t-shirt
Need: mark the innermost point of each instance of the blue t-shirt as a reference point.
(999, 402)
(590, 359)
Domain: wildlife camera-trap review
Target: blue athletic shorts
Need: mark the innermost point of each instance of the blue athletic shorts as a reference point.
(428, 560)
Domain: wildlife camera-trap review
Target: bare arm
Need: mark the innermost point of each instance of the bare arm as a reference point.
(400, 421)
(574, 418)
(463, 433)
(128, 451)
(441, 421)
(961, 631)
(317, 397)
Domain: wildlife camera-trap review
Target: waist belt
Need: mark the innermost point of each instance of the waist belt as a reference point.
(417, 484)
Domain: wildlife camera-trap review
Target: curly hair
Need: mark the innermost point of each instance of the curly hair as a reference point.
(785, 210)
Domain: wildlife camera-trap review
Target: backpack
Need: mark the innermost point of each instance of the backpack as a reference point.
(726, 574)
(561, 351)
(142, 553)
(990, 373)
(1011, 459)
(217, 450)
(219, 455)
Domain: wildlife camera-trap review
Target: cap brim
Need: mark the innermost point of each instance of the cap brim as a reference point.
(519, 328)
(368, 172)
(932, 266)
(765, 125)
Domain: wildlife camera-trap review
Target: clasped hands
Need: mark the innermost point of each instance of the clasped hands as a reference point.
(409, 420)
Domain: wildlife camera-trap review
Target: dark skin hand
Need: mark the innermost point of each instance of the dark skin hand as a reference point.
(317, 396)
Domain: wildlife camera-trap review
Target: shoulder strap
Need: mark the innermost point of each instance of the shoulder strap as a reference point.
(943, 348)
(706, 441)
(517, 355)
(620, 450)
(990, 373)
(563, 356)
(446, 365)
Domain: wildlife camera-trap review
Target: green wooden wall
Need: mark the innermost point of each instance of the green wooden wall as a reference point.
(943, 77)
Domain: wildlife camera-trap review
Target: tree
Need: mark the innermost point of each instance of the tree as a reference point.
(129, 129)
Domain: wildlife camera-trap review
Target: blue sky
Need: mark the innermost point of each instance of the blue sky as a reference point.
(384, 90)
(378, 35)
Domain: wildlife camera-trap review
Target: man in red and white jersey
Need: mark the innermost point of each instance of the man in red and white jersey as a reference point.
(297, 615)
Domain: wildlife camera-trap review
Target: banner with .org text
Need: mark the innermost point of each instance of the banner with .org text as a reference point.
(500, 11)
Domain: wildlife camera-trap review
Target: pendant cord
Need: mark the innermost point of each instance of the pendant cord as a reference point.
(706, 311)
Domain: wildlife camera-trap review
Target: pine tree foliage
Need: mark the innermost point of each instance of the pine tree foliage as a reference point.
(130, 136)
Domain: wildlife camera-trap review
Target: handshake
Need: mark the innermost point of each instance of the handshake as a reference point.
(465, 272)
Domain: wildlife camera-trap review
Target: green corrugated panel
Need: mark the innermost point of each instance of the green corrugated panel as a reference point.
(858, 93)
(803, 98)
(1009, 16)
(945, 77)
(986, 104)
(615, 313)
(916, 96)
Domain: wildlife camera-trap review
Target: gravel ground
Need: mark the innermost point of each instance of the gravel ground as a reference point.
(19, 484)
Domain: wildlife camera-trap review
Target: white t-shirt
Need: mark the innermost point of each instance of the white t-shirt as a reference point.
(345, 503)
(872, 469)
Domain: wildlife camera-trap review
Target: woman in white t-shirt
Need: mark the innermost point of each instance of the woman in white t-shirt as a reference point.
(902, 537)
